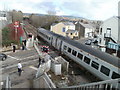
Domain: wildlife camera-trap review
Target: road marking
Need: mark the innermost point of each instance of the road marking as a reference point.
(29, 57)
(22, 58)
(13, 57)
(15, 65)
(33, 67)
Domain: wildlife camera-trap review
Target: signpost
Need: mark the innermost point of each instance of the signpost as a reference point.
(16, 25)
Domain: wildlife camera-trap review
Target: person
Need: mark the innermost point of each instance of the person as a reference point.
(39, 62)
(19, 68)
(14, 48)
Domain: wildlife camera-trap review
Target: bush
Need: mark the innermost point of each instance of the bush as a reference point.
(6, 37)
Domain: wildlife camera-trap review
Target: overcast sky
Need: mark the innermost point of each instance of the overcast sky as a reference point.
(90, 9)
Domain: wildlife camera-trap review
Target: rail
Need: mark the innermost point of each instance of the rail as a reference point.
(105, 85)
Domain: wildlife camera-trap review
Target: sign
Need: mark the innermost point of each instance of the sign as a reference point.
(16, 24)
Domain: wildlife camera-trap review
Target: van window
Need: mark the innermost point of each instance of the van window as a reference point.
(105, 70)
(87, 60)
(80, 56)
(69, 50)
(74, 52)
(95, 65)
(115, 75)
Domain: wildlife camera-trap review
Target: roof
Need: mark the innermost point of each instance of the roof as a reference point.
(67, 23)
(87, 25)
(54, 24)
(71, 31)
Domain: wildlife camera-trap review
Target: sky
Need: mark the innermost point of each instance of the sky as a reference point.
(89, 9)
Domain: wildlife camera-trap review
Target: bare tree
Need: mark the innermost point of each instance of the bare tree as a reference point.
(16, 15)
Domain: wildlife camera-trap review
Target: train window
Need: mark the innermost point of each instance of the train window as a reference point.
(95, 65)
(115, 75)
(74, 52)
(87, 60)
(65, 47)
(105, 70)
(49, 38)
(80, 56)
(69, 50)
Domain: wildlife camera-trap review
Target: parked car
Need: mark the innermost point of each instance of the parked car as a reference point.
(3, 56)
(88, 42)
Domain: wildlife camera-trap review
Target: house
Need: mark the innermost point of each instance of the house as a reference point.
(85, 30)
(109, 35)
(62, 27)
(73, 34)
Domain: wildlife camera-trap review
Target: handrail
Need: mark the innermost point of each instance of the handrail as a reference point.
(8, 83)
(113, 83)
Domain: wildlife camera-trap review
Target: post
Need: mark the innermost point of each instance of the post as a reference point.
(15, 33)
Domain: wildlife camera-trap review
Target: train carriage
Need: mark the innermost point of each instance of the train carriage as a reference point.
(102, 65)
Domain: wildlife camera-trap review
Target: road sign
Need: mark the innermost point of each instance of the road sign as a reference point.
(16, 24)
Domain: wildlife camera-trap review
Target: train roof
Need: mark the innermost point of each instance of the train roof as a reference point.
(97, 53)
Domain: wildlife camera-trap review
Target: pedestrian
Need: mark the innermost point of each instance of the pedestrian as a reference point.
(14, 48)
(19, 68)
(39, 62)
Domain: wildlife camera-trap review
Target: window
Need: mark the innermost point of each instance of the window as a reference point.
(63, 29)
(80, 56)
(108, 28)
(49, 38)
(65, 47)
(69, 50)
(115, 75)
(74, 52)
(87, 60)
(95, 65)
(76, 33)
(100, 30)
(105, 70)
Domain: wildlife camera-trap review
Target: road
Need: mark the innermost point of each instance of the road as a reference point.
(29, 61)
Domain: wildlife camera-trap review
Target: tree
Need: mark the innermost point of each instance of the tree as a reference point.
(16, 15)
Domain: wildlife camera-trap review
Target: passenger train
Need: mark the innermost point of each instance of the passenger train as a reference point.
(100, 64)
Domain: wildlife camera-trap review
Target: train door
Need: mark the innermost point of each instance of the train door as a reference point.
(51, 41)
(59, 44)
(54, 41)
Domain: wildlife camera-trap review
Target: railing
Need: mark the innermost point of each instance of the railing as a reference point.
(113, 46)
(8, 83)
(113, 84)
(110, 36)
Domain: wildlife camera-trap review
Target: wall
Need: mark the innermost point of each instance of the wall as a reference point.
(58, 29)
(88, 30)
(119, 22)
(110, 23)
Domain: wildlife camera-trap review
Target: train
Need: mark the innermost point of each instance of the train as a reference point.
(100, 64)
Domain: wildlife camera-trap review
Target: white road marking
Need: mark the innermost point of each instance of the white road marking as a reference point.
(22, 58)
(29, 57)
(15, 65)
(33, 67)
(13, 57)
